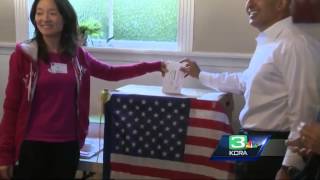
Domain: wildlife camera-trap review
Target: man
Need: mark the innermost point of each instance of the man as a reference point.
(281, 86)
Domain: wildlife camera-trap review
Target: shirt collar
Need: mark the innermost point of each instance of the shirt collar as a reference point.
(274, 31)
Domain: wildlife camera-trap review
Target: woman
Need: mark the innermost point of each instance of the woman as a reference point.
(46, 108)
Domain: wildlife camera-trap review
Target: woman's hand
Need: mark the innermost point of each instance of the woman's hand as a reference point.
(190, 68)
(163, 68)
(6, 172)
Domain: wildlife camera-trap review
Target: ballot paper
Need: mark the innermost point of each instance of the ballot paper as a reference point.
(173, 79)
(91, 148)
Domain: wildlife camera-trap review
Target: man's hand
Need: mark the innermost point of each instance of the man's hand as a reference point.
(282, 174)
(309, 140)
(310, 136)
(6, 172)
(297, 146)
(191, 68)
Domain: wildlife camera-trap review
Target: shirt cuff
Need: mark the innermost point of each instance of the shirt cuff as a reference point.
(293, 159)
(204, 77)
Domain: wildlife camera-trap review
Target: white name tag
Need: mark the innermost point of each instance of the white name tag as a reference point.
(58, 68)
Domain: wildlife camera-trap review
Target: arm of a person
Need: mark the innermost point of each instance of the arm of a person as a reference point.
(299, 68)
(6, 172)
(310, 136)
(225, 82)
(104, 71)
(11, 109)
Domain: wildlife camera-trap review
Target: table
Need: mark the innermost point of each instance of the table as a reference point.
(150, 134)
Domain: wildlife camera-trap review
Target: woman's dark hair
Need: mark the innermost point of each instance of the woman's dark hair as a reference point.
(69, 38)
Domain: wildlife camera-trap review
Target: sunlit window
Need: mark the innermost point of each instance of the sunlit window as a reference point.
(131, 24)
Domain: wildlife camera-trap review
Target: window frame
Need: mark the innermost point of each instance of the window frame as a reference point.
(184, 34)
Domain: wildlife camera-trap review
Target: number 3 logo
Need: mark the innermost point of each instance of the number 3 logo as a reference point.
(237, 142)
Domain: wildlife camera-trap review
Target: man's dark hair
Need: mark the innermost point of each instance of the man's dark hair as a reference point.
(69, 38)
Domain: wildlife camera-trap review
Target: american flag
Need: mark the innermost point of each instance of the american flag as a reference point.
(148, 137)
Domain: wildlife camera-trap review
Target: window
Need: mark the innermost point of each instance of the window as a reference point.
(128, 24)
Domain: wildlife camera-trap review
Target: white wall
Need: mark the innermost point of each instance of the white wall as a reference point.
(4, 64)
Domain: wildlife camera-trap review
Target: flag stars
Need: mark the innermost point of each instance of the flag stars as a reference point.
(133, 144)
(164, 154)
(165, 141)
(134, 132)
(149, 127)
(127, 137)
(143, 102)
(147, 133)
(117, 136)
(140, 138)
(118, 100)
(127, 149)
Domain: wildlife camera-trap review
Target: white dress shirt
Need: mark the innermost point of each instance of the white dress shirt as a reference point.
(281, 86)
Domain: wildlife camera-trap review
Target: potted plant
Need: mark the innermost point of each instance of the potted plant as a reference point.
(89, 28)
